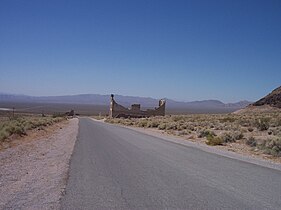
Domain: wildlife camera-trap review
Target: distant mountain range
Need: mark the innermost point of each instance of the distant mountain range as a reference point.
(205, 106)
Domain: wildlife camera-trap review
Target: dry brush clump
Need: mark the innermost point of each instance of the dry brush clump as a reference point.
(218, 129)
(21, 124)
(271, 146)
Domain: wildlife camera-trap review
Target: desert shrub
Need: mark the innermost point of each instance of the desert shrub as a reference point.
(178, 126)
(182, 126)
(19, 130)
(278, 133)
(278, 122)
(271, 147)
(243, 130)
(10, 128)
(244, 122)
(162, 126)
(275, 120)
(55, 115)
(214, 140)
(206, 133)
(177, 118)
(238, 135)
(152, 124)
(127, 122)
(109, 120)
(27, 125)
(20, 125)
(3, 135)
(227, 119)
(190, 127)
(142, 123)
(227, 137)
(59, 119)
(274, 131)
(171, 126)
(251, 141)
(262, 124)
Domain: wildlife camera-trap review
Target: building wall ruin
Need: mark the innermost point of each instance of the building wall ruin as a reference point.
(117, 110)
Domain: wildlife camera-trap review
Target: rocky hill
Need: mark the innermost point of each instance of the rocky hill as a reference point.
(273, 99)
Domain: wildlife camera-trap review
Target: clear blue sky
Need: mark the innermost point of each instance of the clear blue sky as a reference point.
(185, 50)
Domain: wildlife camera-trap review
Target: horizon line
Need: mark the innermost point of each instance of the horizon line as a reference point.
(166, 98)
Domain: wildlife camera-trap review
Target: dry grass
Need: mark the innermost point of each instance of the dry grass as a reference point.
(261, 131)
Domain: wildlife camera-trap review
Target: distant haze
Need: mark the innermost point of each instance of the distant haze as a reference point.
(91, 102)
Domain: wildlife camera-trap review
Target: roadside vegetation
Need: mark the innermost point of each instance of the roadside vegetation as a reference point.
(259, 131)
(20, 124)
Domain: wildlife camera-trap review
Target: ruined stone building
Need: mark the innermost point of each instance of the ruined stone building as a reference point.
(116, 110)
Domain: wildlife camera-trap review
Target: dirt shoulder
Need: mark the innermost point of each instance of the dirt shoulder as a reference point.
(33, 169)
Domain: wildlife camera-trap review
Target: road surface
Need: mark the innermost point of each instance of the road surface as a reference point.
(118, 168)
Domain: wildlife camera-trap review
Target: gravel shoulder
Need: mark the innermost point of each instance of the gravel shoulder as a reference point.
(33, 173)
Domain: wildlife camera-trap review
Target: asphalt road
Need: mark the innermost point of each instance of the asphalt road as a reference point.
(118, 168)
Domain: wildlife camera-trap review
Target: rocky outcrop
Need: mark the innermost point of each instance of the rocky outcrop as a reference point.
(273, 99)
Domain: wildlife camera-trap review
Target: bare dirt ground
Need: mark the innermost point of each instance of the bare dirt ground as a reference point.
(33, 169)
